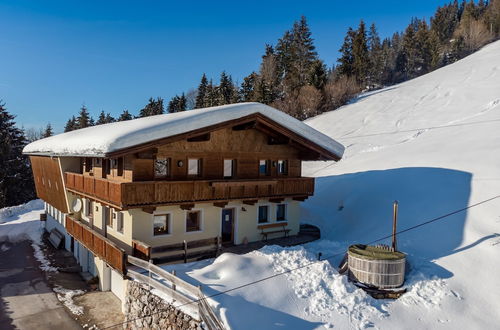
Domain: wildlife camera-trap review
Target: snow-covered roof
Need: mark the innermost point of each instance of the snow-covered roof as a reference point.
(101, 140)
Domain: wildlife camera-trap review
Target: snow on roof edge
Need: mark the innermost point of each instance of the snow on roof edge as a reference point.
(100, 140)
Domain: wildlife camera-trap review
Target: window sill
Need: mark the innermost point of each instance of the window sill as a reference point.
(194, 231)
(161, 235)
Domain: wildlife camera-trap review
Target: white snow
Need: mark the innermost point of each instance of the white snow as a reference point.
(66, 297)
(102, 139)
(22, 222)
(433, 144)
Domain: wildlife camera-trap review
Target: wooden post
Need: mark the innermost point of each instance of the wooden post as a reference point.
(319, 255)
(150, 275)
(173, 283)
(219, 246)
(185, 251)
(394, 225)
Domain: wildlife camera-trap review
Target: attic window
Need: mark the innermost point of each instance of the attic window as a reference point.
(199, 138)
(274, 140)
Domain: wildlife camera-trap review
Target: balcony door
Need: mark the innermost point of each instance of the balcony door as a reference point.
(227, 230)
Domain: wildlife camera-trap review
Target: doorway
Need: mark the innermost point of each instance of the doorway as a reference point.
(227, 230)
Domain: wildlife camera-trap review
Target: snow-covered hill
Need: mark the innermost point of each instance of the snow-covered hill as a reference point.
(433, 144)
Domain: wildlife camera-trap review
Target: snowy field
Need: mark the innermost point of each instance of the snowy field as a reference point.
(433, 144)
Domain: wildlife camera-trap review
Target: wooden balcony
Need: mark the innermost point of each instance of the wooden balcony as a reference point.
(143, 193)
(98, 244)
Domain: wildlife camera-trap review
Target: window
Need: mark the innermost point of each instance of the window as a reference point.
(263, 213)
(107, 219)
(193, 221)
(161, 224)
(228, 168)
(119, 166)
(281, 212)
(107, 167)
(264, 167)
(162, 167)
(194, 166)
(88, 209)
(97, 161)
(282, 167)
(88, 164)
(119, 222)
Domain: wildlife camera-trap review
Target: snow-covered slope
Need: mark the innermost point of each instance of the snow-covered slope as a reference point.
(432, 143)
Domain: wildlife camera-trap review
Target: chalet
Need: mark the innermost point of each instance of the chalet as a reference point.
(159, 186)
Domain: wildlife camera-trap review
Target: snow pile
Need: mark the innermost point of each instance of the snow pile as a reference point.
(102, 139)
(325, 290)
(66, 297)
(22, 222)
(432, 144)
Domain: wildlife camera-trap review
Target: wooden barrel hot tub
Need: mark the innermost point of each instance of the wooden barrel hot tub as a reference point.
(376, 266)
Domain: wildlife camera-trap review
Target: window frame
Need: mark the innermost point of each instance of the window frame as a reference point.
(285, 216)
(198, 167)
(200, 225)
(285, 167)
(268, 219)
(168, 224)
(233, 167)
(267, 163)
(168, 173)
(119, 221)
(108, 217)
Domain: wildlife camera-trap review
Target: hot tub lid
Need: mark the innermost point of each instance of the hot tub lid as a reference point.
(374, 253)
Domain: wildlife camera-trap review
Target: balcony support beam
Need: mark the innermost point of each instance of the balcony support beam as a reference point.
(187, 207)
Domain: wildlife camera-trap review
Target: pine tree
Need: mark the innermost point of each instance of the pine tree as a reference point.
(16, 180)
(410, 59)
(445, 21)
(202, 93)
(346, 60)
(211, 95)
(361, 59)
(226, 89)
(177, 104)
(154, 107)
(247, 89)
(84, 120)
(101, 119)
(376, 56)
(48, 131)
(71, 124)
(105, 118)
(125, 115)
(318, 75)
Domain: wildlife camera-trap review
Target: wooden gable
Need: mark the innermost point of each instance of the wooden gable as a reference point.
(276, 132)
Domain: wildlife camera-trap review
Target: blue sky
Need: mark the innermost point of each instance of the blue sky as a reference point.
(114, 55)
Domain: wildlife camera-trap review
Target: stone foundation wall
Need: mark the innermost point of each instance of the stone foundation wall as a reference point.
(152, 312)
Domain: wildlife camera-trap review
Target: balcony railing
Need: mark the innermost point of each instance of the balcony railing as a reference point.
(98, 244)
(131, 194)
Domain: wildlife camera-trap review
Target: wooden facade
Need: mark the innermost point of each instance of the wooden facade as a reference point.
(49, 181)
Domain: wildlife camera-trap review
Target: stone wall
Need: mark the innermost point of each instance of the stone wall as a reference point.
(152, 312)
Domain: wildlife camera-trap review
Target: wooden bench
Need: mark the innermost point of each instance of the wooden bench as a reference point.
(281, 228)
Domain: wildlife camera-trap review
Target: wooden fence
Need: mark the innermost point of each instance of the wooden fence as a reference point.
(183, 293)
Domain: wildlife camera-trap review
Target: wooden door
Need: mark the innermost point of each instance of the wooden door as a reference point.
(227, 231)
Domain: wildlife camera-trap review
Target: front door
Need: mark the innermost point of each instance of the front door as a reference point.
(227, 226)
